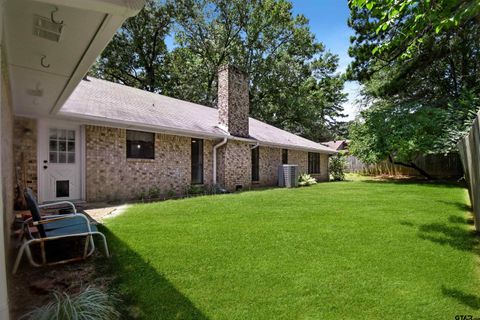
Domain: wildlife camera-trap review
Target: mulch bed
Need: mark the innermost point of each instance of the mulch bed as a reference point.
(32, 287)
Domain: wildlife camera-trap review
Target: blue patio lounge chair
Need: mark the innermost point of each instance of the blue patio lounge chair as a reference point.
(55, 228)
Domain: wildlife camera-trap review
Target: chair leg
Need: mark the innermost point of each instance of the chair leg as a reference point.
(105, 245)
(19, 257)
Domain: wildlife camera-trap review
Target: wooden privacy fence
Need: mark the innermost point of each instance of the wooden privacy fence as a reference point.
(469, 149)
(437, 165)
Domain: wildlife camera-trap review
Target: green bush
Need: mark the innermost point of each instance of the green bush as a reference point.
(154, 193)
(337, 165)
(142, 195)
(171, 193)
(306, 180)
(195, 189)
(89, 304)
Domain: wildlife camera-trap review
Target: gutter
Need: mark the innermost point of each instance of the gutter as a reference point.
(215, 147)
(115, 123)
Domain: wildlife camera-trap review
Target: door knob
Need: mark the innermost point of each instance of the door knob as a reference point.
(45, 167)
(45, 161)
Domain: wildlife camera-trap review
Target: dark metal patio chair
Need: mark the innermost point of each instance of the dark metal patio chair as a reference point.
(55, 228)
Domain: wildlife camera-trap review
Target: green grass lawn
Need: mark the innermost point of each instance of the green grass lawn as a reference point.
(345, 250)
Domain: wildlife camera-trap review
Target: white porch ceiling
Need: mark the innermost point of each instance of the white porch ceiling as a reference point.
(87, 29)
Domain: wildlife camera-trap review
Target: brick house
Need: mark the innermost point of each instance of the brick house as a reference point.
(111, 142)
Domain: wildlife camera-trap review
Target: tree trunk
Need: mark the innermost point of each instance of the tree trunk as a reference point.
(413, 166)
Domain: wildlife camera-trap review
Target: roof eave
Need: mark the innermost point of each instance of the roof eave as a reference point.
(116, 12)
(114, 123)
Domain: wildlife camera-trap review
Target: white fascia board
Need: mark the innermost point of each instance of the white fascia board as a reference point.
(116, 12)
(298, 148)
(124, 8)
(113, 123)
(102, 37)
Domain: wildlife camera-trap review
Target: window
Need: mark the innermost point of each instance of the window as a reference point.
(197, 161)
(255, 164)
(313, 162)
(284, 156)
(61, 146)
(140, 145)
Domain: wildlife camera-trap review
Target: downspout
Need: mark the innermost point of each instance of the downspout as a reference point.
(255, 145)
(215, 147)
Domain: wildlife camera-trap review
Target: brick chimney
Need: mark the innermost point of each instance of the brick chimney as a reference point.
(233, 102)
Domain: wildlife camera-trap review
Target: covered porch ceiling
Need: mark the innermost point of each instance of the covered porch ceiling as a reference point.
(50, 45)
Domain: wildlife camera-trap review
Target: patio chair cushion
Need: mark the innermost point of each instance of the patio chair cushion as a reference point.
(34, 209)
(68, 226)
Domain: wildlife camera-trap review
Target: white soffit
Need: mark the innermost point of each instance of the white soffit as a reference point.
(41, 90)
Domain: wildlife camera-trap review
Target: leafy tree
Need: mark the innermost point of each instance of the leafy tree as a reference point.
(337, 165)
(137, 54)
(293, 80)
(294, 83)
(419, 64)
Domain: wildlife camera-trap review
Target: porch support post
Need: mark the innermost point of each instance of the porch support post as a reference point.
(4, 312)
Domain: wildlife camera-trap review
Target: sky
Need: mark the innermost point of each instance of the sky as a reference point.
(328, 21)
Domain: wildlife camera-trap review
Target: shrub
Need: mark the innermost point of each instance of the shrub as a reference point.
(337, 165)
(89, 304)
(306, 180)
(142, 195)
(195, 189)
(171, 193)
(154, 193)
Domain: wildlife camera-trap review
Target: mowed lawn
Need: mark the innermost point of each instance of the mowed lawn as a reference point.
(344, 250)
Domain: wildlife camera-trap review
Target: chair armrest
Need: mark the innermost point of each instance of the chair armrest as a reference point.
(53, 204)
(49, 219)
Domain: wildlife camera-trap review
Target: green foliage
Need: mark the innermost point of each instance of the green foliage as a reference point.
(137, 54)
(294, 83)
(154, 193)
(195, 189)
(399, 131)
(337, 164)
(171, 193)
(141, 195)
(305, 180)
(308, 253)
(419, 67)
(404, 25)
(89, 304)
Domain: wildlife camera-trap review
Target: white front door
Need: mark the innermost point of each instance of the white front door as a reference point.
(59, 161)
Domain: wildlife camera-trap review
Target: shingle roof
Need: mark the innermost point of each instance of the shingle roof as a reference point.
(335, 144)
(114, 104)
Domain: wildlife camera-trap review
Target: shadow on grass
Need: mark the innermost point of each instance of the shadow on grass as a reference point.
(461, 220)
(407, 223)
(455, 237)
(459, 205)
(469, 300)
(146, 294)
(419, 182)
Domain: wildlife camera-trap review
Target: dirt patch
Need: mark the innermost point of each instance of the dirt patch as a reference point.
(33, 287)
